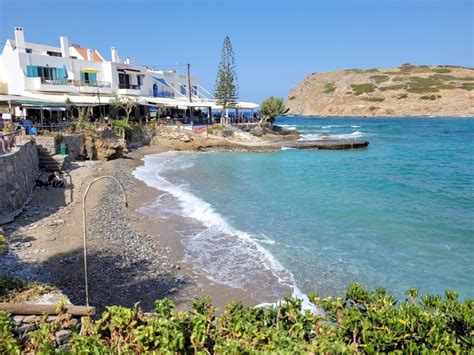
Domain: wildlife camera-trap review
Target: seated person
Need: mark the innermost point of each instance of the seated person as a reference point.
(41, 183)
(57, 180)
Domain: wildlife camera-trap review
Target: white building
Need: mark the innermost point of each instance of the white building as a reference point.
(34, 76)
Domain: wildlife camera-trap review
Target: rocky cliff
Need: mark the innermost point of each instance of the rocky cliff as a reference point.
(404, 91)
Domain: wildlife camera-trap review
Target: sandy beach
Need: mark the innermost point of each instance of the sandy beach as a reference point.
(131, 257)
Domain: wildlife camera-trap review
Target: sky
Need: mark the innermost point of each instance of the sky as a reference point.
(276, 43)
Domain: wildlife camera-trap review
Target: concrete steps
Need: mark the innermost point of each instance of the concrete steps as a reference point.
(51, 162)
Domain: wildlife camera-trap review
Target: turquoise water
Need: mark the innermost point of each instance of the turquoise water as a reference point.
(398, 214)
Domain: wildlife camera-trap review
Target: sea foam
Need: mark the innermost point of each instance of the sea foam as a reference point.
(227, 255)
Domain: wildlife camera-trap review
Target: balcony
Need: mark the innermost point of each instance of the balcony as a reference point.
(129, 86)
(92, 83)
(48, 85)
(129, 89)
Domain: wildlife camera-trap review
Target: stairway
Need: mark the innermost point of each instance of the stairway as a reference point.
(51, 162)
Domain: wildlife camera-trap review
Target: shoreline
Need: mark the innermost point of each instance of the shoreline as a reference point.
(46, 243)
(200, 284)
(132, 257)
(382, 117)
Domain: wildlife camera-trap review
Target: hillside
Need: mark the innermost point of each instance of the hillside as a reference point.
(404, 91)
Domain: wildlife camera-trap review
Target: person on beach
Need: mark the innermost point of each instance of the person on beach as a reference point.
(57, 180)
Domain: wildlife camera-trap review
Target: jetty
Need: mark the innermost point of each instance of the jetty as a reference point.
(262, 146)
(333, 144)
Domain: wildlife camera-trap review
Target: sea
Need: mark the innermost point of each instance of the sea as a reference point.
(398, 215)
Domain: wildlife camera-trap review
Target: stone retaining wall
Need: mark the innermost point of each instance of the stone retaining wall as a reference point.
(75, 143)
(18, 171)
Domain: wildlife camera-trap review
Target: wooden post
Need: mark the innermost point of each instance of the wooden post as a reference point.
(49, 309)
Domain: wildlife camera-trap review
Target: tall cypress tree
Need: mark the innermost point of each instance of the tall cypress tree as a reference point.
(226, 90)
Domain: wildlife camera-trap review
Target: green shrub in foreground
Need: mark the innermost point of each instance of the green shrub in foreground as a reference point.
(363, 321)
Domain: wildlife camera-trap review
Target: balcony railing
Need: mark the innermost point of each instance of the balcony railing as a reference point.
(49, 81)
(166, 94)
(129, 86)
(93, 83)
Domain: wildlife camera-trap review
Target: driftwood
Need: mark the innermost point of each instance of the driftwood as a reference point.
(37, 309)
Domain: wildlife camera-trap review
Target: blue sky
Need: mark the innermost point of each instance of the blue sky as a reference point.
(276, 43)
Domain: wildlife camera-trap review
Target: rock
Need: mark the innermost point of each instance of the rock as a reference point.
(257, 131)
(56, 222)
(25, 328)
(62, 336)
(18, 320)
(31, 319)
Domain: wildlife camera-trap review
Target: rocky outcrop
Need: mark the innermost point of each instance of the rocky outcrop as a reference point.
(404, 91)
(103, 145)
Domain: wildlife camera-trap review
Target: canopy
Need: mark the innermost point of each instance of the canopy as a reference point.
(89, 70)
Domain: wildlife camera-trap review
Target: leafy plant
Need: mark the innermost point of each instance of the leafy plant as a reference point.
(362, 321)
(271, 108)
(127, 103)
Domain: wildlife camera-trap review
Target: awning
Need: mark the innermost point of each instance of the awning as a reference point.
(89, 70)
(27, 103)
(161, 80)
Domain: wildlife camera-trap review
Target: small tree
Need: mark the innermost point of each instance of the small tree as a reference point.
(270, 108)
(128, 104)
(226, 90)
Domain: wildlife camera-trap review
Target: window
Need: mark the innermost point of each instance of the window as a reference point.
(124, 81)
(89, 78)
(183, 90)
(194, 90)
(53, 54)
(29, 50)
(139, 80)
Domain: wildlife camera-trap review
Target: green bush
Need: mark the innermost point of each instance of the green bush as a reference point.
(359, 89)
(441, 70)
(329, 87)
(363, 321)
(292, 98)
(402, 96)
(393, 87)
(467, 86)
(428, 97)
(374, 99)
(379, 78)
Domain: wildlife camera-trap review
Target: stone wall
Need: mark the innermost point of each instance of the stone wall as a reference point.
(47, 143)
(75, 143)
(18, 171)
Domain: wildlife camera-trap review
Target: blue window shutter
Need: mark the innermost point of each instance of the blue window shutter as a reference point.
(31, 71)
(83, 77)
(59, 73)
(92, 77)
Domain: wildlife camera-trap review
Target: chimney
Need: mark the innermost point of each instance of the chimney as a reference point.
(128, 61)
(20, 40)
(64, 46)
(115, 56)
(90, 55)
